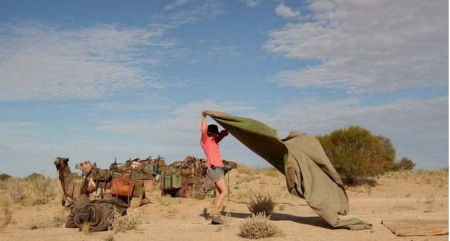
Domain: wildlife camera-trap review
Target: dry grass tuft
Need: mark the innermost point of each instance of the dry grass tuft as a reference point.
(16, 190)
(33, 190)
(122, 223)
(261, 204)
(270, 172)
(86, 229)
(242, 169)
(258, 227)
(42, 190)
(5, 212)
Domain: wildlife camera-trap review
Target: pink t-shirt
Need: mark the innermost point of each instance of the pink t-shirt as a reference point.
(211, 147)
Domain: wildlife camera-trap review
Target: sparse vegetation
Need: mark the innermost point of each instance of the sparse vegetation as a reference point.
(404, 164)
(270, 172)
(242, 169)
(356, 153)
(43, 190)
(122, 223)
(261, 204)
(4, 176)
(16, 190)
(258, 227)
(5, 212)
(35, 189)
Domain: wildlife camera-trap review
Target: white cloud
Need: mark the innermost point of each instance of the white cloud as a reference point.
(177, 126)
(367, 45)
(190, 13)
(418, 129)
(41, 62)
(252, 3)
(49, 62)
(176, 134)
(285, 11)
(176, 4)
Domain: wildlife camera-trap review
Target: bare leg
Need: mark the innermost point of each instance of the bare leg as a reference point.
(221, 193)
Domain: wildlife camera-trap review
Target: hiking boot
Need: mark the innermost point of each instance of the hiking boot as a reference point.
(215, 213)
(217, 220)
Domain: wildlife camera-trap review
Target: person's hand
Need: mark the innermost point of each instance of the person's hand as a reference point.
(203, 114)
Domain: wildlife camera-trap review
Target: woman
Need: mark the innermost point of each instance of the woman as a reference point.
(209, 141)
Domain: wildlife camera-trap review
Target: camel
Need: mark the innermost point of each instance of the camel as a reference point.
(101, 179)
(86, 167)
(71, 189)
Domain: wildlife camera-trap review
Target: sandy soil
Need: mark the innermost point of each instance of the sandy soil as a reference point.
(396, 195)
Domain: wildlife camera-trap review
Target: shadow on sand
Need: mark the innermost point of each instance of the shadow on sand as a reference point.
(313, 221)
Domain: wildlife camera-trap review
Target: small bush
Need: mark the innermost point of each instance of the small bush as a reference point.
(261, 204)
(33, 176)
(404, 164)
(122, 223)
(4, 176)
(258, 227)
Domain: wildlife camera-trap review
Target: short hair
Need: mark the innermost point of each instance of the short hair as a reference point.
(213, 129)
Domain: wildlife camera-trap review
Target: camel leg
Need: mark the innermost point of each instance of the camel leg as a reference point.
(137, 197)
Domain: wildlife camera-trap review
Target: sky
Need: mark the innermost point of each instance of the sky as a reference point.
(106, 80)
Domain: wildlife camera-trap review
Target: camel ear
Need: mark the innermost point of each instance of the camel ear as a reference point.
(66, 160)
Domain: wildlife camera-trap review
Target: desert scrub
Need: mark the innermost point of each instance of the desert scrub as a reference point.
(32, 190)
(122, 223)
(5, 212)
(257, 227)
(261, 204)
(42, 189)
(16, 190)
(245, 170)
(270, 172)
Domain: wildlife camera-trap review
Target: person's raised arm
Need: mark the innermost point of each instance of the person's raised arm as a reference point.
(204, 126)
(221, 135)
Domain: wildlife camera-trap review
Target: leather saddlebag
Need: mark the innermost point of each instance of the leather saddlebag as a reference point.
(122, 186)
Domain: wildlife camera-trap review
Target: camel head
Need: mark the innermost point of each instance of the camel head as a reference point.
(84, 166)
(61, 163)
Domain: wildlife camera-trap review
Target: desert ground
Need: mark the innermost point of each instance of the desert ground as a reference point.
(28, 215)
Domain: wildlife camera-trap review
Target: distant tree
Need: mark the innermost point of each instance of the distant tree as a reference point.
(34, 176)
(4, 176)
(356, 153)
(404, 164)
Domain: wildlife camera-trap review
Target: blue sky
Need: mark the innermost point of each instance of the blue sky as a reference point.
(98, 80)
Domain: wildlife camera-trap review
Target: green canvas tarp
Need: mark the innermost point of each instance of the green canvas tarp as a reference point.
(308, 171)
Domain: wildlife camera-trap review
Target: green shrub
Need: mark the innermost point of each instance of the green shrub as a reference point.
(356, 153)
(404, 164)
(4, 176)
